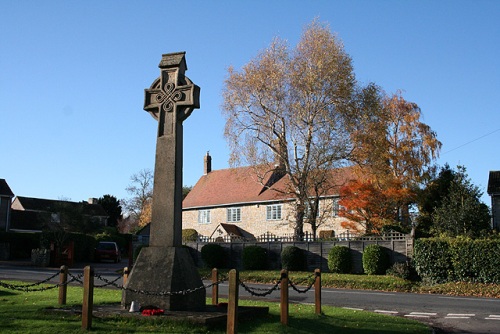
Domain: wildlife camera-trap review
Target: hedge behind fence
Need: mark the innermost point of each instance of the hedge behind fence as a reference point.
(444, 260)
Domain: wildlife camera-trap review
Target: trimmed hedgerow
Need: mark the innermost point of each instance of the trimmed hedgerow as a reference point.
(432, 260)
(440, 260)
(213, 255)
(375, 260)
(293, 258)
(254, 258)
(339, 260)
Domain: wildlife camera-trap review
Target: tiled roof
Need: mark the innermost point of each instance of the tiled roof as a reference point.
(494, 183)
(240, 186)
(49, 205)
(5, 189)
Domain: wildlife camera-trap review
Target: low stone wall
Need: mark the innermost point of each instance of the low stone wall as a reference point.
(317, 252)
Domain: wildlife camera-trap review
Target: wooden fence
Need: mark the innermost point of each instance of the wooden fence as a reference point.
(400, 250)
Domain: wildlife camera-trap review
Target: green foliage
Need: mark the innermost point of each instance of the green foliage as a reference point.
(432, 260)
(445, 260)
(339, 260)
(400, 269)
(189, 234)
(461, 212)
(112, 206)
(293, 258)
(84, 246)
(213, 255)
(254, 258)
(375, 260)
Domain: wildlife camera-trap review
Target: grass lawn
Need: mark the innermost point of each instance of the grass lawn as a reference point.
(25, 312)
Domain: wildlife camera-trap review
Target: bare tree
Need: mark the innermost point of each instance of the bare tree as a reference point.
(141, 190)
(287, 109)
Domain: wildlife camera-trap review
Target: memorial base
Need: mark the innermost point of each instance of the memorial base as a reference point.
(165, 269)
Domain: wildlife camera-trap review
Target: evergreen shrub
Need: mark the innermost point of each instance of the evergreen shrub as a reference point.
(213, 255)
(189, 234)
(293, 258)
(339, 260)
(440, 260)
(375, 260)
(254, 258)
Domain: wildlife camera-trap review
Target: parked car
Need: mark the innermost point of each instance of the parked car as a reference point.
(107, 250)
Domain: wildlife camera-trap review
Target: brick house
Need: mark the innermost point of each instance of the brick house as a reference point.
(234, 203)
(494, 192)
(6, 196)
(27, 212)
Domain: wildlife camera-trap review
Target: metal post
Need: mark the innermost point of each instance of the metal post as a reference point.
(232, 305)
(317, 291)
(284, 297)
(63, 285)
(88, 297)
(215, 287)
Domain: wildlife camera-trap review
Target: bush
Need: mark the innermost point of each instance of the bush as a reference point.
(189, 234)
(254, 258)
(339, 260)
(400, 270)
(432, 260)
(293, 258)
(375, 260)
(441, 260)
(213, 255)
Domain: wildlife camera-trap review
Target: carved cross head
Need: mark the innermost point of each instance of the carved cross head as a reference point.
(172, 97)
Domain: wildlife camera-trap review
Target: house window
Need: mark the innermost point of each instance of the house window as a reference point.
(233, 215)
(308, 210)
(204, 217)
(273, 212)
(336, 207)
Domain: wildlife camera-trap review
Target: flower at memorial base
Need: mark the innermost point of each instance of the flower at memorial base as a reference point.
(153, 311)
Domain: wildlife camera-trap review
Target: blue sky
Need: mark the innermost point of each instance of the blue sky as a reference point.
(73, 74)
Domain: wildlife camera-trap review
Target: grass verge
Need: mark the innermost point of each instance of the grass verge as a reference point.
(371, 282)
(25, 312)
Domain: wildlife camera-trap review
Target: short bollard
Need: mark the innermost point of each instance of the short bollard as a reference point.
(63, 285)
(232, 302)
(88, 297)
(215, 286)
(317, 291)
(284, 298)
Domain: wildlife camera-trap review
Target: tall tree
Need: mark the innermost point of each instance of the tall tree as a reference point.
(113, 208)
(394, 147)
(141, 190)
(286, 109)
(431, 197)
(461, 212)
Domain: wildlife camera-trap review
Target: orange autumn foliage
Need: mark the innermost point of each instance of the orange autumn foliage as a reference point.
(368, 206)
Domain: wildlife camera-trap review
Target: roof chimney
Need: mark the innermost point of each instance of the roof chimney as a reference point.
(207, 164)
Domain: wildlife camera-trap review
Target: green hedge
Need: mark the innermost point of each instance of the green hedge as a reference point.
(375, 260)
(293, 258)
(440, 260)
(339, 260)
(213, 255)
(254, 258)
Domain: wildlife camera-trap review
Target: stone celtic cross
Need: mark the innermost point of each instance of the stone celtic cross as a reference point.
(171, 99)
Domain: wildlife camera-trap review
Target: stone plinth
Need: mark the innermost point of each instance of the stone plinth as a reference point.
(165, 269)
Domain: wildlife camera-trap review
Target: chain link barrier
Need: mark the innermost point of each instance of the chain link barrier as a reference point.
(28, 287)
(256, 292)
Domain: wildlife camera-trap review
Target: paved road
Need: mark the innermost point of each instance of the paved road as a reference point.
(451, 314)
